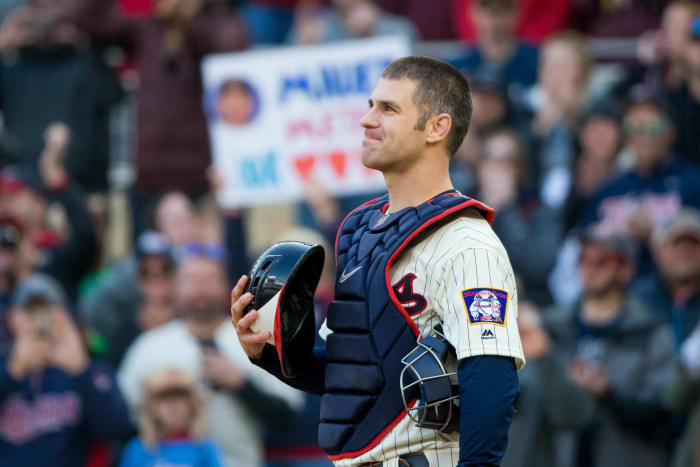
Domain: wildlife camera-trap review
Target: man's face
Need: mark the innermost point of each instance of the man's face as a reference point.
(391, 139)
(236, 106)
(495, 20)
(678, 258)
(600, 269)
(200, 289)
(650, 135)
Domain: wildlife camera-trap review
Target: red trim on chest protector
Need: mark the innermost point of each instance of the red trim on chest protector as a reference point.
(340, 227)
(392, 295)
(377, 439)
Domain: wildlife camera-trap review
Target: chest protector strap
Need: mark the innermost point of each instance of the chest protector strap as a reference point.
(371, 329)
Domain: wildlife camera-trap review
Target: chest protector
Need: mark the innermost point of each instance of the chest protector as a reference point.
(371, 329)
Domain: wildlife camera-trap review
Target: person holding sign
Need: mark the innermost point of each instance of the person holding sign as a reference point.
(424, 294)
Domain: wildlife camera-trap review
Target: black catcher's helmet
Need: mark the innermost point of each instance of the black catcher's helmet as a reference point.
(283, 281)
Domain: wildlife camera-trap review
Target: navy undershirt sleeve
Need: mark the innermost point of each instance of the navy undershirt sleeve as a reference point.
(488, 386)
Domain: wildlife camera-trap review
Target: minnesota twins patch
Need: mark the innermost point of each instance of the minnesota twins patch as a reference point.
(485, 305)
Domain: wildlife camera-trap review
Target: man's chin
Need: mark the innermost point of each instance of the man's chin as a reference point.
(202, 313)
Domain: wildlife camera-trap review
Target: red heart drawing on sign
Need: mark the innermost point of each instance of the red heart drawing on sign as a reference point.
(305, 165)
(338, 162)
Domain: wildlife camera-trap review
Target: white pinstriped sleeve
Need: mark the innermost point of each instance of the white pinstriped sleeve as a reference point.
(478, 303)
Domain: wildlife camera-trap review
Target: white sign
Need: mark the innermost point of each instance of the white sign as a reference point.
(280, 117)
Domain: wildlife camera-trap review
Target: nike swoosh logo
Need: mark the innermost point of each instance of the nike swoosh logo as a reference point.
(344, 276)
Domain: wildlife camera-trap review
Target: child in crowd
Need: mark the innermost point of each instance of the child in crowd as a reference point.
(170, 425)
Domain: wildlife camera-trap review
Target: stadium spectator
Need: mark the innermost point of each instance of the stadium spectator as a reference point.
(497, 46)
(618, 351)
(599, 141)
(54, 401)
(530, 231)
(66, 252)
(136, 297)
(673, 288)
(683, 395)
(48, 74)
(661, 54)
(655, 189)
(537, 19)
(172, 144)
(176, 217)
(556, 106)
(10, 237)
(171, 424)
(242, 398)
(347, 19)
(549, 402)
(684, 101)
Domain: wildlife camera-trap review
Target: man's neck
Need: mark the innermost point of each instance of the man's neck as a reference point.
(418, 183)
(603, 308)
(203, 330)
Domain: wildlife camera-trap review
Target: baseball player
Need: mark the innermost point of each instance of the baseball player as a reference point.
(420, 257)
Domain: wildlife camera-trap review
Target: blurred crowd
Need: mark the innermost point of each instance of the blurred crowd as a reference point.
(116, 261)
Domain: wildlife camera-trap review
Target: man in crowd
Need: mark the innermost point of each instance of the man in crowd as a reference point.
(497, 47)
(618, 352)
(673, 289)
(53, 400)
(655, 189)
(241, 396)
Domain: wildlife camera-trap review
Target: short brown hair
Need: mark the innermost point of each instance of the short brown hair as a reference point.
(440, 88)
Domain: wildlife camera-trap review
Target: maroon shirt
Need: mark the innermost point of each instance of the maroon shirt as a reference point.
(172, 141)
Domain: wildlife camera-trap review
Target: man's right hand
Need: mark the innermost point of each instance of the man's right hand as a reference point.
(252, 343)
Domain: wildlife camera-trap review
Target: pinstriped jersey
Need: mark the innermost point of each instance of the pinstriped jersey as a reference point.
(458, 276)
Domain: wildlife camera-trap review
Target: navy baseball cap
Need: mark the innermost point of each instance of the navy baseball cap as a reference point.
(39, 287)
(152, 243)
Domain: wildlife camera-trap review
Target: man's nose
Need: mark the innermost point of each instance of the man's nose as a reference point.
(369, 120)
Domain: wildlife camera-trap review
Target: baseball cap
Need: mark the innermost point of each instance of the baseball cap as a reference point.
(615, 242)
(151, 242)
(13, 179)
(685, 223)
(39, 287)
(169, 380)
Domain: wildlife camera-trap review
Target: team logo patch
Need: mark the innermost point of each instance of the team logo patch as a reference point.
(485, 305)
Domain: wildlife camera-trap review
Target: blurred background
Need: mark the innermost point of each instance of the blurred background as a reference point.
(116, 261)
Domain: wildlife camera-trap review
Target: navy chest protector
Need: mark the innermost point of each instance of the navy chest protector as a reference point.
(371, 330)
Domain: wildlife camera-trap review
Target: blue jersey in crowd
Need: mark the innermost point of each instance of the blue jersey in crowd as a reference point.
(51, 418)
(175, 453)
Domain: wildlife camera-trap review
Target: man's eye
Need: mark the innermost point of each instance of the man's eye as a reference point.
(390, 108)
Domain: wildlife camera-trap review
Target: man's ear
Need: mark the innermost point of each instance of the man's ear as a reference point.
(438, 128)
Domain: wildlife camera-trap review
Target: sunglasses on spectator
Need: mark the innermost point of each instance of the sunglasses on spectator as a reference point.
(213, 251)
(653, 128)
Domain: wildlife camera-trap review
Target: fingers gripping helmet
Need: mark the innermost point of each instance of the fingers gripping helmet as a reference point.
(425, 377)
(283, 281)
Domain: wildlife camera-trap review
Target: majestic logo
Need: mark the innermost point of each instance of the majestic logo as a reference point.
(487, 334)
(485, 305)
(412, 302)
(346, 275)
